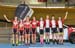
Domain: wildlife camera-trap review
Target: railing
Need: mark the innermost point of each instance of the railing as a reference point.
(40, 3)
(5, 34)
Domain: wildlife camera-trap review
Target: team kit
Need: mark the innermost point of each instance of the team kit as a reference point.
(23, 29)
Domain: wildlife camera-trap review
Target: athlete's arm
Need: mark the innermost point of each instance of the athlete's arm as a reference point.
(6, 18)
(24, 19)
(66, 16)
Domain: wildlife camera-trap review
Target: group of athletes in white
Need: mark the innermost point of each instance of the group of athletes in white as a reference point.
(22, 29)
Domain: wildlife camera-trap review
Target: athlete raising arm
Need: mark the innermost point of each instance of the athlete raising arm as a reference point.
(14, 28)
(60, 27)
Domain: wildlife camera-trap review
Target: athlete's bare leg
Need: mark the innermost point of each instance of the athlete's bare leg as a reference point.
(53, 38)
(17, 40)
(32, 38)
(28, 38)
(25, 38)
(41, 39)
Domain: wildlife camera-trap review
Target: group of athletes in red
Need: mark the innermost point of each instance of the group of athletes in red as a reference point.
(22, 29)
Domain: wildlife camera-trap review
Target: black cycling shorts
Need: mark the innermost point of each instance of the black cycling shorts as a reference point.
(54, 30)
(27, 31)
(33, 30)
(14, 30)
(60, 30)
(47, 30)
(41, 31)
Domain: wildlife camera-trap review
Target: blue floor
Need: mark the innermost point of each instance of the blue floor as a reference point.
(38, 45)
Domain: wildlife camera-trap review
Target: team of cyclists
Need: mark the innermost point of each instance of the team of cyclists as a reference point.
(22, 29)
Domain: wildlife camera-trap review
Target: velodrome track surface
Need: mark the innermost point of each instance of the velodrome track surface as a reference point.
(38, 45)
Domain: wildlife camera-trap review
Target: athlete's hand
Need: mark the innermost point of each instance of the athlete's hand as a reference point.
(67, 12)
(6, 18)
(4, 15)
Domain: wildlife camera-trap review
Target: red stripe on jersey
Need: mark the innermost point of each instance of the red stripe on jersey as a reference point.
(63, 20)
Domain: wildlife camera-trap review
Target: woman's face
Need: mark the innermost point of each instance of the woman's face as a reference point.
(47, 17)
(34, 18)
(15, 18)
(41, 18)
(52, 17)
(59, 18)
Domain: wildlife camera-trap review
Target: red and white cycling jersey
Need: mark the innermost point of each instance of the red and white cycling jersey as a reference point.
(27, 24)
(34, 24)
(60, 23)
(47, 23)
(53, 23)
(15, 24)
(21, 26)
(41, 24)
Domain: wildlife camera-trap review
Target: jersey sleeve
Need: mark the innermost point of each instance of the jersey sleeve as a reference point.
(63, 20)
(56, 22)
(38, 23)
(50, 24)
(44, 23)
(30, 22)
